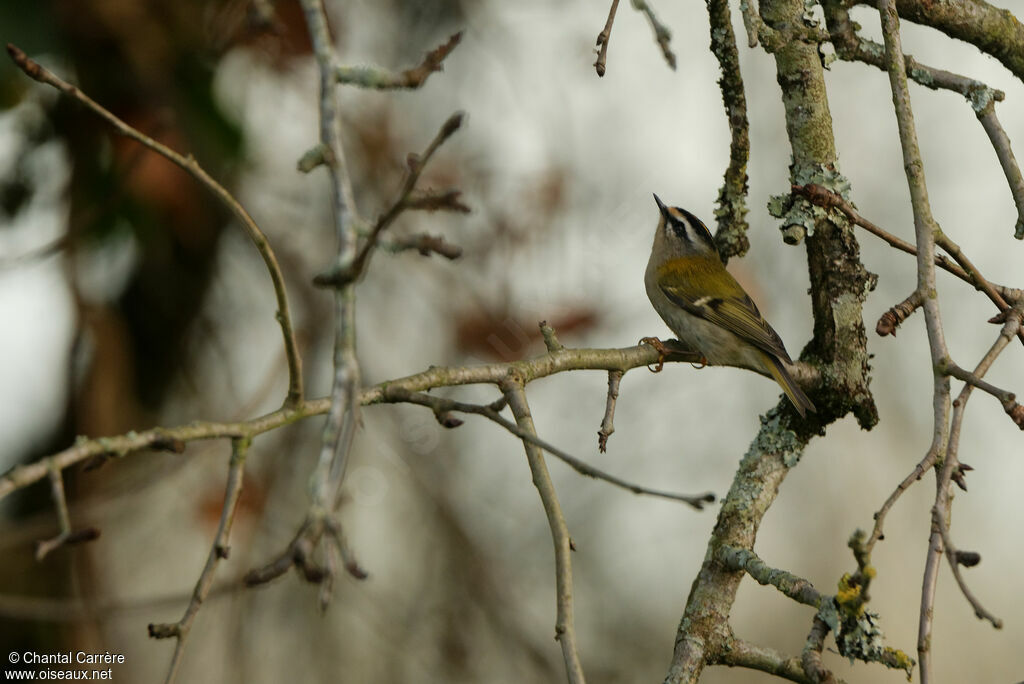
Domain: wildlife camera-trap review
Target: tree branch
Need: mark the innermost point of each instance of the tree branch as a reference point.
(989, 28)
(412, 78)
(192, 167)
(565, 630)
(218, 551)
(603, 37)
(730, 237)
(442, 409)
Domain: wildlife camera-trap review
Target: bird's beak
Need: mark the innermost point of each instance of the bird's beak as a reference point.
(661, 206)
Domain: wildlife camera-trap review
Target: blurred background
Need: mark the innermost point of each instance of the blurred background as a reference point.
(129, 298)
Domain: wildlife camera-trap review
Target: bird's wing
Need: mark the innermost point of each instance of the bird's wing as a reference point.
(732, 309)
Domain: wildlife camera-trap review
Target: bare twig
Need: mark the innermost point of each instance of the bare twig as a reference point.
(850, 46)
(66, 535)
(938, 519)
(662, 35)
(1001, 144)
(892, 318)
(343, 274)
(963, 268)
(343, 414)
(382, 79)
(603, 37)
(1005, 397)
(925, 230)
(218, 551)
(551, 342)
(541, 366)
(607, 423)
(423, 243)
(192, 167)
(565, 630)
(443, 407)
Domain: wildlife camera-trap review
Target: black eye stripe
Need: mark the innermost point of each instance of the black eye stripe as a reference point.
(678, 219)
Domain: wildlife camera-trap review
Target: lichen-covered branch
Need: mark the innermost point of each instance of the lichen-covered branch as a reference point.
(793, 586)
(731, 212)
(989, 28)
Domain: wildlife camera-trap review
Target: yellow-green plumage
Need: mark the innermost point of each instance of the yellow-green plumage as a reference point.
(707, 309)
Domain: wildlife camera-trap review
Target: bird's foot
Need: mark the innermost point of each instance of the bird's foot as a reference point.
(662, 350)
(703, 363)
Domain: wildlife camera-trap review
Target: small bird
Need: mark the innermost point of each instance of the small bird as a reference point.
(706, 308)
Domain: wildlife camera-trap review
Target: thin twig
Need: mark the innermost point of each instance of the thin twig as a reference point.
(603, 37)
(850, 46)
(443, 407)
(1001, 144)
(1004, 396)
(662, 36)
(892, 318)
(963, 268)
(565, 630)
(218, 551)
(423, 243)
(952, 556)
(192, 167)
(925, 230)
(343, 415)
(541, 366)
(825, 198)
(414, 77)
(66, 535)
(416, 163)
(608, 422)
(952, 469)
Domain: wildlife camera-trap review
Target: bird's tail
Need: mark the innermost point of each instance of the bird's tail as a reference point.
(788, 384)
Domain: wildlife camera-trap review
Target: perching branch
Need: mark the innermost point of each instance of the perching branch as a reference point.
(550, 363)
(37, 72)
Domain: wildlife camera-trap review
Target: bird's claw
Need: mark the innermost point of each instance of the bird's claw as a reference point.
(662, 350)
